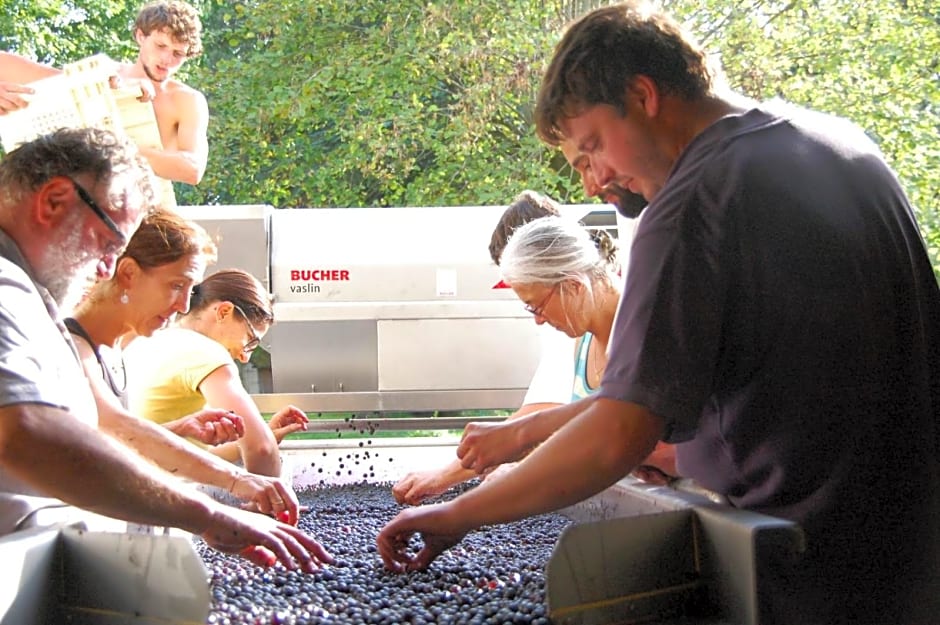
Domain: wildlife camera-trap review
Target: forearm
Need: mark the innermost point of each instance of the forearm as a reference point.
(454, 474)
(168, 451)
(537, 427)
(590, 453)
(261, 457)
(176, 427)
(18, 69)
(177, 165)
(84, 468)
(258, 447)
(229, 452)
(663, 457)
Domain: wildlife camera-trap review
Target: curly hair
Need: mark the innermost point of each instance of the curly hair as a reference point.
(179, 19)
(600, 55)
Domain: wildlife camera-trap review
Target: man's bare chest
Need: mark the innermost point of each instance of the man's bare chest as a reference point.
(167, 120)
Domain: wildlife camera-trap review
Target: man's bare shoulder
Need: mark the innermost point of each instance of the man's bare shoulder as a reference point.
(181, 89)
(183, 96)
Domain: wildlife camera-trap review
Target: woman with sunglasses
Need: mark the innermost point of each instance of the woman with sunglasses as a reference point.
(152, 282)
(191, 365)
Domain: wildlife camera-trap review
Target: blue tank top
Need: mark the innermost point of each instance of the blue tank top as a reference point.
(581, 388)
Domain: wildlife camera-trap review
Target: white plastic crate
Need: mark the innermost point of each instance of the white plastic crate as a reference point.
(82, 97)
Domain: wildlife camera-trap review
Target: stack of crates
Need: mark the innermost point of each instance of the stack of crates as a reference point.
(82, 97)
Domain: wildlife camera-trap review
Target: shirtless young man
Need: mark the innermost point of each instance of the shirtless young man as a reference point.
(168, 32)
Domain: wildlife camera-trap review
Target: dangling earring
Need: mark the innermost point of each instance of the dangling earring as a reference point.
(124, 298)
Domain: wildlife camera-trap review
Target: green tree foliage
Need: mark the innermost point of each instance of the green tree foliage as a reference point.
(55, 32)
(876, 62)
(377, 103)
(371, 102)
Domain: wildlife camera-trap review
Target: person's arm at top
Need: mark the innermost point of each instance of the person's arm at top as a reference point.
(84, 468)
(257, 448)
(419, 485)
(594, 450)
(187, 161)
(15, 71)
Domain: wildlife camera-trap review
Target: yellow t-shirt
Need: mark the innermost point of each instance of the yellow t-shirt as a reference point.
(164, 372)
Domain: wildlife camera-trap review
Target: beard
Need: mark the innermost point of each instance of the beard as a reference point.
(628, 204)
(150, 74)
(67, 270)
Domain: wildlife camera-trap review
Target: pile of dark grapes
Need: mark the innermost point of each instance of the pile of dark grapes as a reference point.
(494, 576)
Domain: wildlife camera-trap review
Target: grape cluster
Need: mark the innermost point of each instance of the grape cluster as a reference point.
(494, 576)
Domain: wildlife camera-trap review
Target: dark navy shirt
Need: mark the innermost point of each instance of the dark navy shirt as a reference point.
(781, 315)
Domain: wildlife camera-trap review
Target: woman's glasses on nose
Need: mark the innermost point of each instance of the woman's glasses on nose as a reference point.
(253, 339)
(537, 310)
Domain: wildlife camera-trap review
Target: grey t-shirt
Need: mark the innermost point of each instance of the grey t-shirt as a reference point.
(38, 364)
(781, 315)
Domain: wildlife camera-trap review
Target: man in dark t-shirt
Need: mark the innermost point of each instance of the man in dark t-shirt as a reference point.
(780, 317)
(779, 322)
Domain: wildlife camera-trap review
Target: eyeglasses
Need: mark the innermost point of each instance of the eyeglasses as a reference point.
(537, 310)
(103, 216)
(253, 339)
